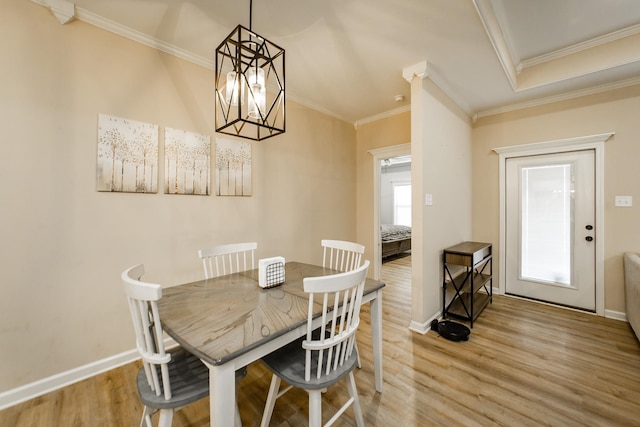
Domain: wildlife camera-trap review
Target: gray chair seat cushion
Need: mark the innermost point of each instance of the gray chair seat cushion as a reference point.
(289, 362)
(189, 382)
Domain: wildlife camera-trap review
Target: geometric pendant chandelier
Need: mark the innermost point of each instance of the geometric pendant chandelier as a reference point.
(250, 101)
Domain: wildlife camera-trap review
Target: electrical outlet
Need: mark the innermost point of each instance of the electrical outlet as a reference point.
(624, 201)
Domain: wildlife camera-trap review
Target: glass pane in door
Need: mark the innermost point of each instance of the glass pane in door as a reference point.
(546, 203)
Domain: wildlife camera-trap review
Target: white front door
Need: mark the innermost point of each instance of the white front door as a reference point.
(550, 228)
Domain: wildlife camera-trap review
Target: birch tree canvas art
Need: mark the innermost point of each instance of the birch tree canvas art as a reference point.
(233, 168)
(127, 155)
(187, 162)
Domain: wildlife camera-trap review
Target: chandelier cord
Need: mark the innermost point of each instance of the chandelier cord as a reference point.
(250, 14)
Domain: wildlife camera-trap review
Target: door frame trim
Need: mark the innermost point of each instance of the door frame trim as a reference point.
(590, 142)
(378, 155)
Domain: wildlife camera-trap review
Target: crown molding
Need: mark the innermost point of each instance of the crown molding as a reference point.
(425, 69)
(136, 36)
(416, 70)
(562, 97)
(63, 10)
(496, 36)
(579, 47)
(381, 116)
(443, 84)
(494, 31)
(317, 108)
(420, 70)
(131, 34)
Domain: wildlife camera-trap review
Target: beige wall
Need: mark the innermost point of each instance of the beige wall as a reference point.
(615, 111)
(440, 136)
(441, 143)
(64, 244)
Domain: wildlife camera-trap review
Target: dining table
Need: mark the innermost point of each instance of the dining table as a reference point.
(230, 321)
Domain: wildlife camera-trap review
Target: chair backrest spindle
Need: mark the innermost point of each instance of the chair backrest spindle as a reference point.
(143, 304)
(341, 255)
(168, 379)
(228, 259)
(341, 297)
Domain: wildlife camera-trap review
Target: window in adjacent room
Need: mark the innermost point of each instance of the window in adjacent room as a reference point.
(402, 204)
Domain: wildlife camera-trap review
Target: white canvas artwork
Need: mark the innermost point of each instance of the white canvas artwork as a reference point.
(127, 155)
(187, 162)
(233, 168)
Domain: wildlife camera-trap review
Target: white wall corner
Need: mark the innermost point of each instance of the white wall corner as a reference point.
(417, 70)
(64, 10)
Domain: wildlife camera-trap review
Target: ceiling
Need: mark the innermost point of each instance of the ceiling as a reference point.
(346, 57)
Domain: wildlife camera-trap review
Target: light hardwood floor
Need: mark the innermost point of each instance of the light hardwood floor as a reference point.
(524, 364)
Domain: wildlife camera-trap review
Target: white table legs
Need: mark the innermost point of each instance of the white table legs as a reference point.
(376, 338)
(222, 399)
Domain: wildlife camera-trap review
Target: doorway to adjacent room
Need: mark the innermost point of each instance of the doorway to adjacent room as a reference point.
(391, 183)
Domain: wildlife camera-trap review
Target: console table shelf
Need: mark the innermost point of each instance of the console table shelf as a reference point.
(471, 284)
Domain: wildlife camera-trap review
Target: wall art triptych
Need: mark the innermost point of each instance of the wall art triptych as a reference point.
(233, 168)
(187, 160)
(127, 155)
(128, 158)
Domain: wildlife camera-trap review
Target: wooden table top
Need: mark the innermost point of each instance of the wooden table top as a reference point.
(467, 248)
(221, 318)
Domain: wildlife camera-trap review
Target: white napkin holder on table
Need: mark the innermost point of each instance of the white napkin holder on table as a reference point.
(271, 272)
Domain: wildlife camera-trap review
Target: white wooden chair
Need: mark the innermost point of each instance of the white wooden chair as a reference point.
(341, 255)
(326, 355)
(168, 379)
(228, 259)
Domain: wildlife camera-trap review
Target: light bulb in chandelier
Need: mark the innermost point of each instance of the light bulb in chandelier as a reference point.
(234, 91)
(257, 92)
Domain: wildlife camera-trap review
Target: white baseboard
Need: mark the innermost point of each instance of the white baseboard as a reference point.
(418, 327)
(46, 385)
(423, 328)
(618, 315)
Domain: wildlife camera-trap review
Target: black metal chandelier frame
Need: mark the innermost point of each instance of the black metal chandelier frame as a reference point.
(244, 52)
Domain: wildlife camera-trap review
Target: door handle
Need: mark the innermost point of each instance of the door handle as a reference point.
(588, 238)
